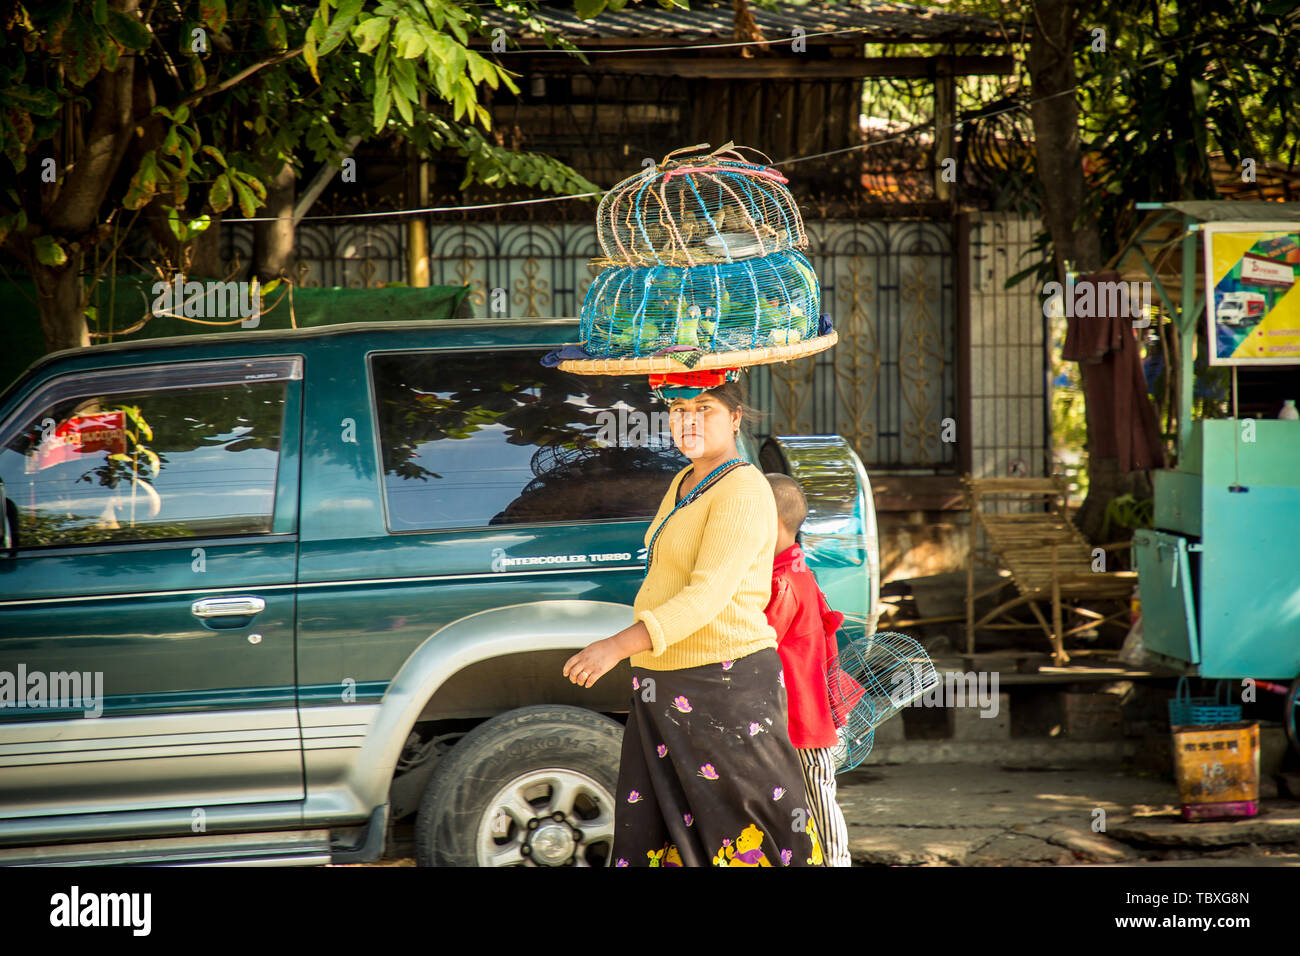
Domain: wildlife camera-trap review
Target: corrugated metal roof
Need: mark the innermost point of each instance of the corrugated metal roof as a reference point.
(880, 22)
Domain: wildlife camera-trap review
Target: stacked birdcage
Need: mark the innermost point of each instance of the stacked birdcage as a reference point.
(702, 270)
(875, 677)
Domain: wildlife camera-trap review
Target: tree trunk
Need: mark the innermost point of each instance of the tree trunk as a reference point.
(61, 297)
(1058, 159)
(273, 241)
(69, 212)
(205, 253)
(1059, 164)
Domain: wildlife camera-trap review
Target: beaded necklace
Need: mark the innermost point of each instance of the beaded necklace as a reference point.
(694, 493)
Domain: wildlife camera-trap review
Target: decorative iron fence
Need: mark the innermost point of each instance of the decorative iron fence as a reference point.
(888, 386)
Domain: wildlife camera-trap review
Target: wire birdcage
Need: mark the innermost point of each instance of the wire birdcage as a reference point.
(874, 678)
(725, 307)
(696, 211)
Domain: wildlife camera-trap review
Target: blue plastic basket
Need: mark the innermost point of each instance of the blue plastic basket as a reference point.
(725, 307)
(1186, 710)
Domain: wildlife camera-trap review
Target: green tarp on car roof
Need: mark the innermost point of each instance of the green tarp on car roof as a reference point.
(134, 297)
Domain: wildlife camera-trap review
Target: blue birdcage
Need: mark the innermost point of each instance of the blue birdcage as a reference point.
(697, 210)
(636, 311)
(875, 677)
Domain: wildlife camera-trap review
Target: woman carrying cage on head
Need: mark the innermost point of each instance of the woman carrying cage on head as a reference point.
(707, 775)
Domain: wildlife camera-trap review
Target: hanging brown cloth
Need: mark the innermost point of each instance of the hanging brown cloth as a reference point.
(1121, 420)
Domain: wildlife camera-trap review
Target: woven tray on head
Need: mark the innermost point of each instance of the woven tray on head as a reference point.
(698, 209)
(663, 363)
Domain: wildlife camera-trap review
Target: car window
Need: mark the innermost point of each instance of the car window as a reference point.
(496, 438)
(147, 464)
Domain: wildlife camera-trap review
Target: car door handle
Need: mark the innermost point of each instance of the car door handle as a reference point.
(227, 607)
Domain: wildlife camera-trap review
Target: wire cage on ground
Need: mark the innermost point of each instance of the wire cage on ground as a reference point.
(696, 211)
(875, 677)
(726, 307)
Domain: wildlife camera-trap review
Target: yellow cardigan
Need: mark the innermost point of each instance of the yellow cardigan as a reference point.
(703, 597)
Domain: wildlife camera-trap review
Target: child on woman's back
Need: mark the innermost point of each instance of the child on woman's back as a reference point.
(805, 629)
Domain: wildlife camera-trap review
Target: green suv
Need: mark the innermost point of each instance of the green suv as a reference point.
(263, 593)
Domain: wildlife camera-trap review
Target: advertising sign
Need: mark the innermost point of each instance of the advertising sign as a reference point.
(1252, 299)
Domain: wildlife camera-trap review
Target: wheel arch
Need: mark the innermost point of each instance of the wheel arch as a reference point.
(506, 643)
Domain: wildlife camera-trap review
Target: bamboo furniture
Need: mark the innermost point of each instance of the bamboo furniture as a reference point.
(1049, 560)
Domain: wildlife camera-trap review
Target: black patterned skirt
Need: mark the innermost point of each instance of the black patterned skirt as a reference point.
(708, 776)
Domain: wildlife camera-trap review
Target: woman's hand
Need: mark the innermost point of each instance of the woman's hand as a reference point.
(592, 662)
(596, 660)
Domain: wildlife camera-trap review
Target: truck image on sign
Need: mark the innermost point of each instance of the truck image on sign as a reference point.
(1237, 308)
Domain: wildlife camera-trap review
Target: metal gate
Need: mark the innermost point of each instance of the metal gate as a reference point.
(888, 387)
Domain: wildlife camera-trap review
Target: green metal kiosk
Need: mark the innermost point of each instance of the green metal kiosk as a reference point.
(1219, 573)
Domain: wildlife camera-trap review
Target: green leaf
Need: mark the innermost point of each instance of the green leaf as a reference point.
(220, 196)
(407, 43)
(49, 252)
(128, 30)
(247, 201)
(21, 125)
(404, 109)
(370, 33)
(1200, 95)
(588, 9)
(217, 155)
(213, 13)
(30, 100)
(254, 184)
(171, 144)
(81, 53)
(143, 184)
(176, 226)
(341, 25)
(273, 26)
(383, 102)
(404, 82)
(309, 56)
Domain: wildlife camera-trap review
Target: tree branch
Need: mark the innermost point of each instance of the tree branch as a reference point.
(213, 88)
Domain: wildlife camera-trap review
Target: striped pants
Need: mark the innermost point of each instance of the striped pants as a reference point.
(819, 777)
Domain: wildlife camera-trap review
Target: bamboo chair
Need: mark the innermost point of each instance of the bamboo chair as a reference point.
(1049, 559)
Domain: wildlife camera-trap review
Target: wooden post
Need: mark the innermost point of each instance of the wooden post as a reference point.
(945, 117)
(417, 227)
(970, 572)
(1057, 642)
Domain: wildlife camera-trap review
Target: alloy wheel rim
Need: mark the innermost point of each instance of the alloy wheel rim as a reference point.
(551, 817)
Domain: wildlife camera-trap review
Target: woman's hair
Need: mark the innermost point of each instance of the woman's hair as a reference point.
(733, 396)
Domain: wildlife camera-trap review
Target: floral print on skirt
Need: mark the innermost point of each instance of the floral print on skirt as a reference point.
(708, 776)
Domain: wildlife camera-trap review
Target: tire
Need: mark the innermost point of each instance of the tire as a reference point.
(533, 786)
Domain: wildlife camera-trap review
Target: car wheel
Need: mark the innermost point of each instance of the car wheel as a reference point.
(531, 787)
